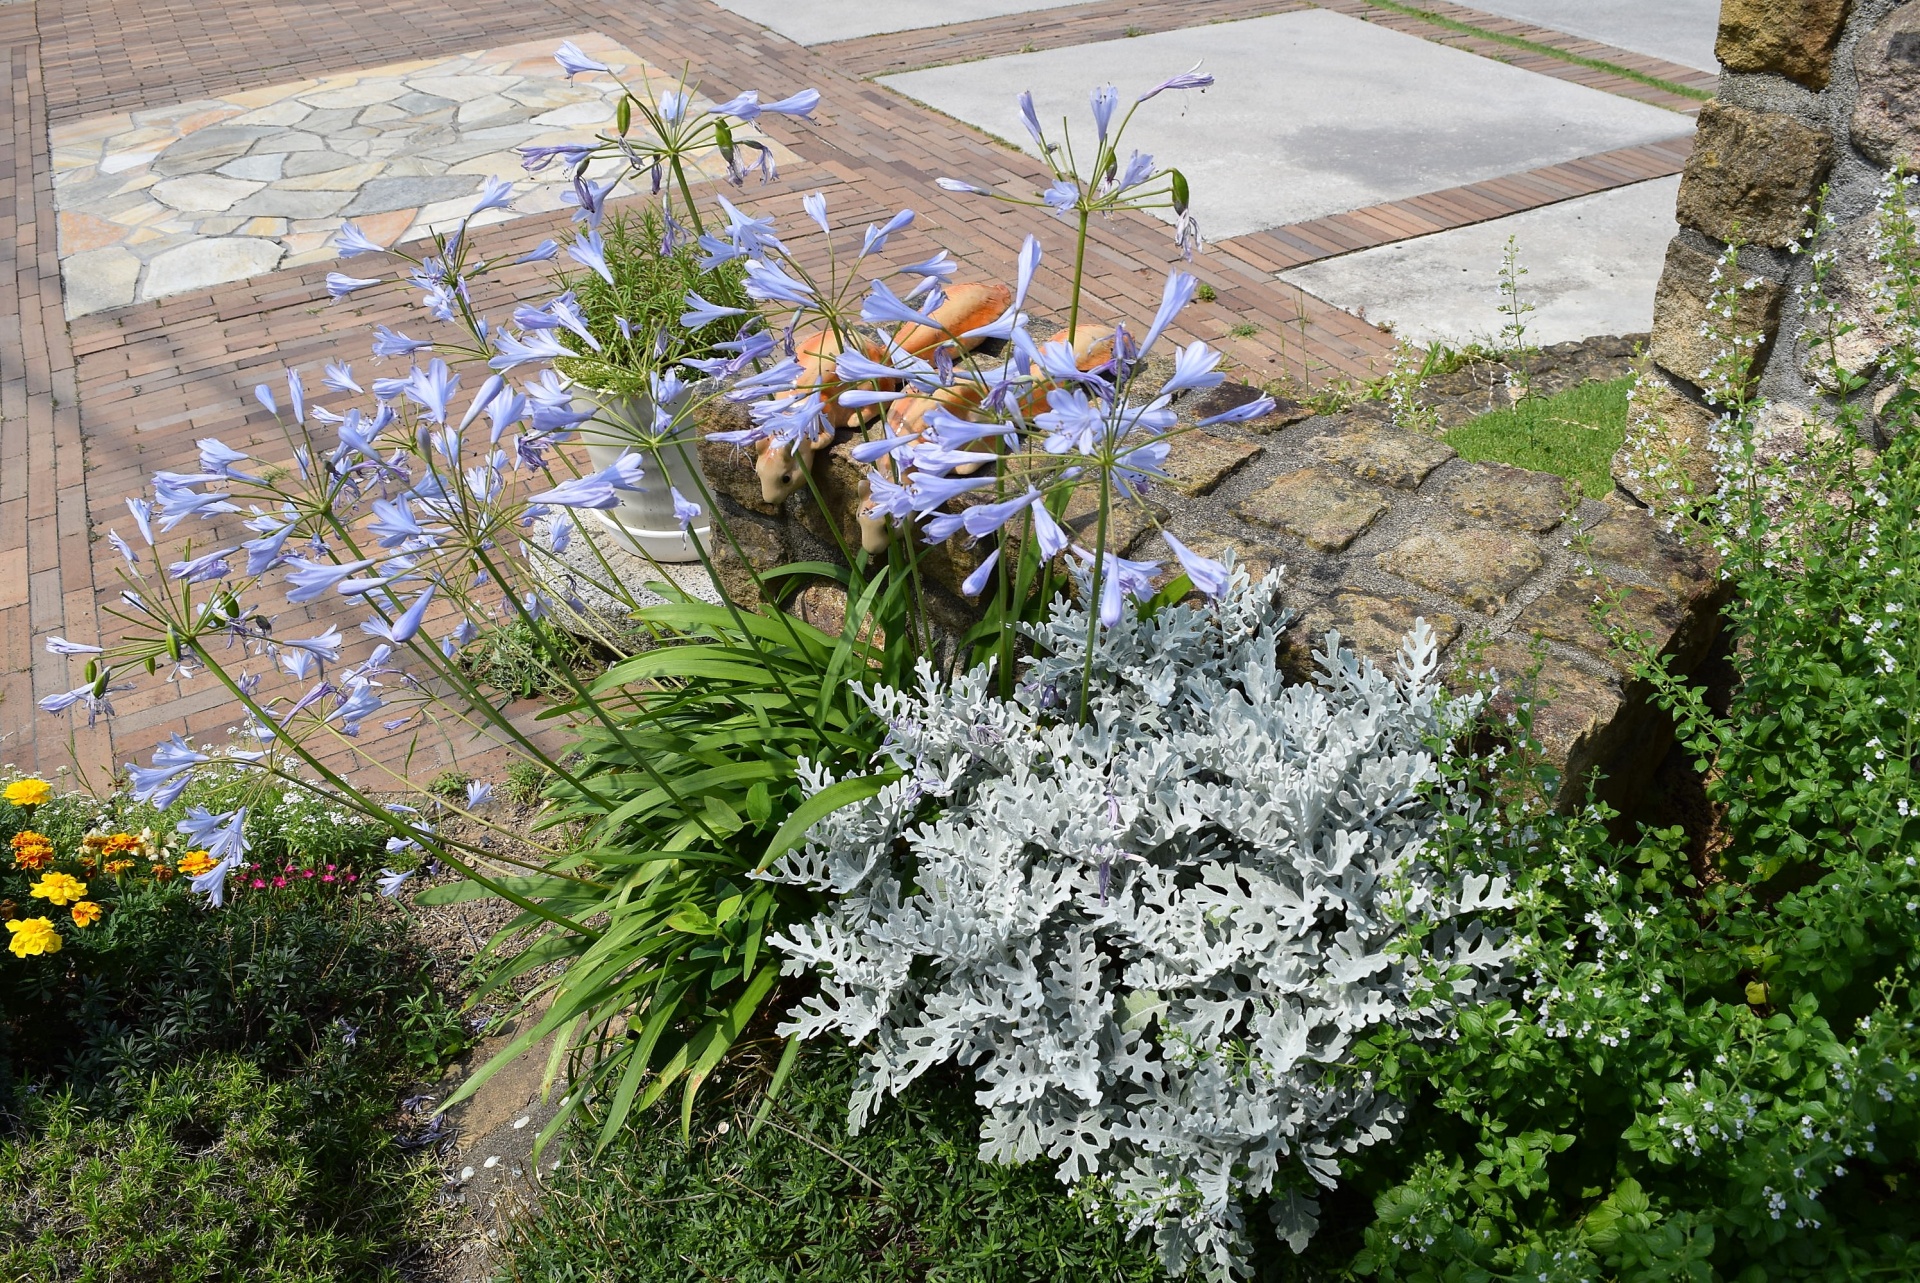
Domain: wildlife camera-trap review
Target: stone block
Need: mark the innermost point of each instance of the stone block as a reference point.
(728, 467)
(761, 545)
(1688, 335)
(1481, 568)
(1372, 627)
(1322, 508)
(1384, 456)
(830, 511)
(1583, 722)
(1792, 38)
(1516, 498)
(1250, 555)
(1666, 459)
(1567, 614)
(1231, 396)
(1199, 461)
(1127, 519)
(1886, 119)
(1752, 174)
(1855, 336)
(1678, 559)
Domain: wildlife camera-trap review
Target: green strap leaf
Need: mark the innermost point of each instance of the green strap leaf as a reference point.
(818, 807)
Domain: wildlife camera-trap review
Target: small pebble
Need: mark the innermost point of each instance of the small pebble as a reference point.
(522, 1121)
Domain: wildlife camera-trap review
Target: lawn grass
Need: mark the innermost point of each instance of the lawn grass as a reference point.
(1574, 434)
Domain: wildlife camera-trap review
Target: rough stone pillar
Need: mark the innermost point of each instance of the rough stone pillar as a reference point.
(1811, 92)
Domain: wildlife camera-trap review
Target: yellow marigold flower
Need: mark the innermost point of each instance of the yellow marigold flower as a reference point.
(58, 888)
(31, 936)
(117, 867)
(194, 863)
(86, 913)
(28, 792)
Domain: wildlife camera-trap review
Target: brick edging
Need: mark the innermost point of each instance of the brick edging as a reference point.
(1279, 248)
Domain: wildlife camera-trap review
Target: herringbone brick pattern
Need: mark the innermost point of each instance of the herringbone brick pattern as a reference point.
(134, 388)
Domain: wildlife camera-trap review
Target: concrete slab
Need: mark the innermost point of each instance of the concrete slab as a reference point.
(1313, 113)
(813, 22)
(1592, 265)
(1680, 31)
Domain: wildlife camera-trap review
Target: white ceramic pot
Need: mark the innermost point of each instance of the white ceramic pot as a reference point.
(644, 519)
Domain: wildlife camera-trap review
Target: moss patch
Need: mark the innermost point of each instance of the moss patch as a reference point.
(1574, 435)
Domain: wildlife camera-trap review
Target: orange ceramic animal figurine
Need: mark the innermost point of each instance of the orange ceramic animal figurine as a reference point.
(782, 466)
(1092, 348)
(876, 532)
(967, 307)
(819, 355)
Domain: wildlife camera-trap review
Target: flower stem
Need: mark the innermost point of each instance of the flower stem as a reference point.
(1093, 592)
(1073, 310)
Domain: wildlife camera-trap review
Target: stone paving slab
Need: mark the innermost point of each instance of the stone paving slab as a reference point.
(1679, 31)
(1314, 113)
(1592, 265)
(169, 200)
(814, 22)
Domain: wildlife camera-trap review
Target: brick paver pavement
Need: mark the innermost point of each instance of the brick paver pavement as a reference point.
(139, 384)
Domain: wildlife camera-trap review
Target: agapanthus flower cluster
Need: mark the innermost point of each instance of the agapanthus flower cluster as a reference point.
(438, 497)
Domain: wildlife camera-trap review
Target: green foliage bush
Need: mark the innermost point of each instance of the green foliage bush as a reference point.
(1711, 1070)
(195, 1094)
(215, 1171)
(906, 1201)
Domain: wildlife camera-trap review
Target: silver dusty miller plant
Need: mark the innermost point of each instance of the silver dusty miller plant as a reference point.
(1155, 932)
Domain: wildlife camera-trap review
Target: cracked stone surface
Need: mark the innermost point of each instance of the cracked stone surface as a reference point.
(1479, 567)
(215, 190)
(1323, 508)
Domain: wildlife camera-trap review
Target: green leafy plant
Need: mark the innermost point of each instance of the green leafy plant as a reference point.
(1711, 1070)
(215, 1171)
(635, 316)
(759, 1193)
(689, 782)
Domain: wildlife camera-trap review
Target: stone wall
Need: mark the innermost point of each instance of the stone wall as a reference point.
(1812, 92)
(1376, 525)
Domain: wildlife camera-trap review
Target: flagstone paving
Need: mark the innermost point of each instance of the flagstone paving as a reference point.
(167, 200)
(1314, 113)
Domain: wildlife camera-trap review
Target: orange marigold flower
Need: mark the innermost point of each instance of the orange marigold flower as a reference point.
(58, 888)
(194, 863)
(31, 851)
(28, 792)
(162, 873)
(119, 844)
(117, 867)
(31, 936)
(85, 913)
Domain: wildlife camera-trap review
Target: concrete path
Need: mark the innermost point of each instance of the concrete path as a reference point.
(1592, 265)
(1680, 31)
(1313, 113)
(813, 22)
